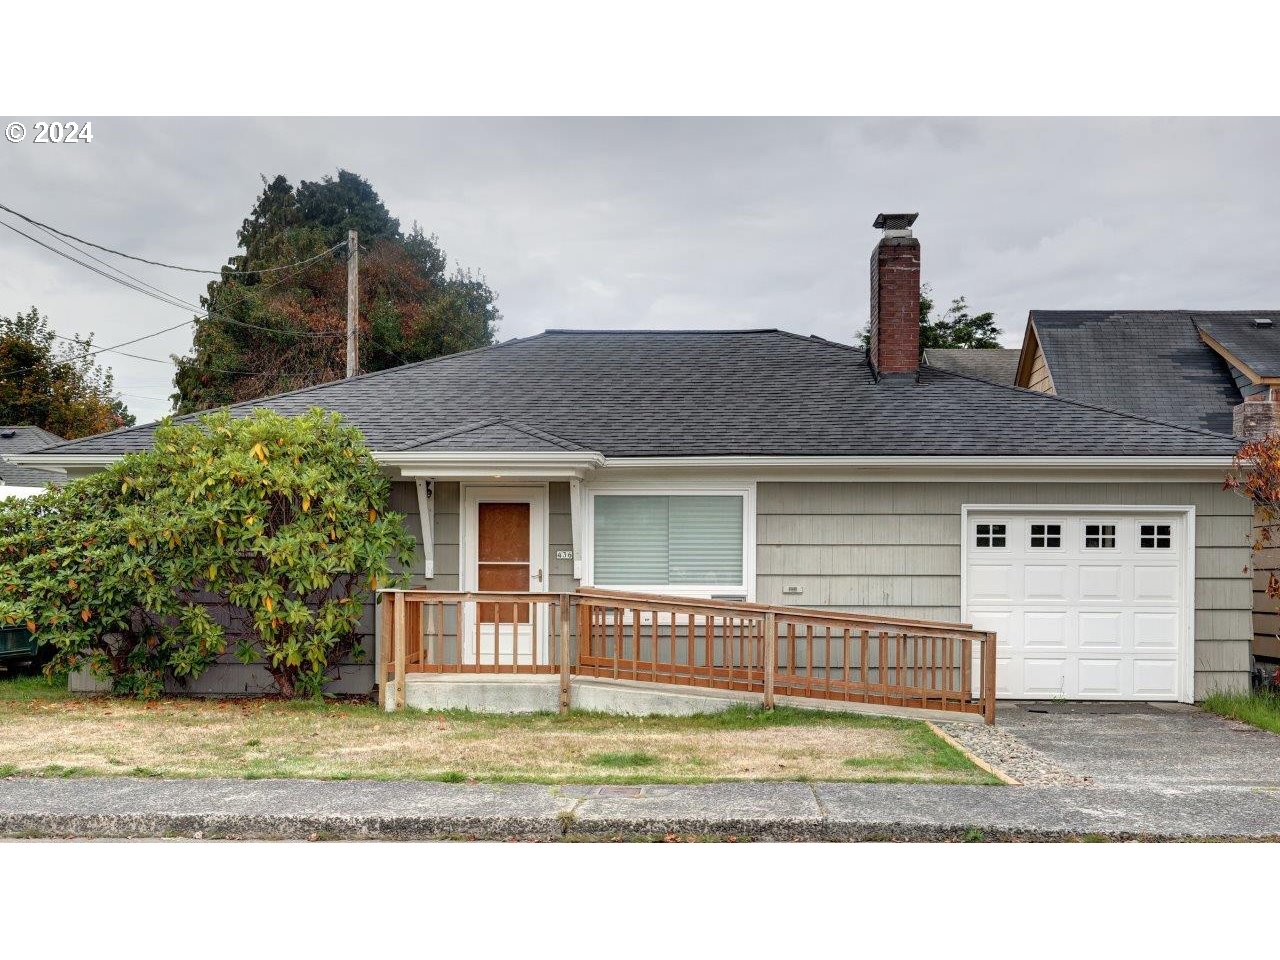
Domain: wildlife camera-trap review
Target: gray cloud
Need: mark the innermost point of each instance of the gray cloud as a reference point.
(679, 223)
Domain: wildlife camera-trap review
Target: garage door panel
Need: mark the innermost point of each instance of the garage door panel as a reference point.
(1155, 630)
(1004, 674)
(1047, 582)
(1155, 679)
(1102, 582)
(1083, 604)
(1101, 629)
(1044, 628)
(1044, 676)
(1101, 677)
(1155, 583)
(991, 581)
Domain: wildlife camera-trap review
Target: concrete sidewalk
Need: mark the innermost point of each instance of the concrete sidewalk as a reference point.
(359, 810)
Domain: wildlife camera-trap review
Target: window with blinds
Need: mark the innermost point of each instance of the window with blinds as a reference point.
(676, 540)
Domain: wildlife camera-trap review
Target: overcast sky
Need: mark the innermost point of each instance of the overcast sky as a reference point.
(676, 223)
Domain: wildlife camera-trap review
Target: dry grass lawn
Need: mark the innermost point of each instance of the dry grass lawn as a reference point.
(46, 732)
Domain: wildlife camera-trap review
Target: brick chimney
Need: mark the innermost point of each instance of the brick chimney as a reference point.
(895, 297)
(1258, 415)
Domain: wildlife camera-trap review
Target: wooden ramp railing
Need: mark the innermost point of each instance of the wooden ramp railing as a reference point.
(713, 644)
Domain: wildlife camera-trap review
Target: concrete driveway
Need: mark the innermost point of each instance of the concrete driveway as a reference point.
(1146, 745)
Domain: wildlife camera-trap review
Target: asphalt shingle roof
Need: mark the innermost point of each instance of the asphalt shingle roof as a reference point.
(1256, 346)
(1149, 362)
(996, 364)
(698, 393)
(26, 439)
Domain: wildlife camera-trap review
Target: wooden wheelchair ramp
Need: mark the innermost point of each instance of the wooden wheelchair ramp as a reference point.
(710, 644)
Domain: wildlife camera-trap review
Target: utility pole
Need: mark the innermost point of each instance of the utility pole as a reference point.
(353, 303)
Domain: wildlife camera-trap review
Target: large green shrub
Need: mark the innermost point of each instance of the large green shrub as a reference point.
(262, 535)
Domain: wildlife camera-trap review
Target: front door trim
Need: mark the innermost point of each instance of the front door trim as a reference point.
(537, 495)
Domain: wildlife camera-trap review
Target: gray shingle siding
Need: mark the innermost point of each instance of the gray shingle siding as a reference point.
(894, 549)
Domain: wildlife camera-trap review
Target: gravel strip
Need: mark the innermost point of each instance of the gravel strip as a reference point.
(1012, 756)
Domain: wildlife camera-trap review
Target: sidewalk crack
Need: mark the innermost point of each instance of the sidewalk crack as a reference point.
(822, 808)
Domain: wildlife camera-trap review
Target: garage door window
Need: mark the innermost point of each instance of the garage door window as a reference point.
(1155, 536)
(990, 535)
(1046, 536)
(1100, 536)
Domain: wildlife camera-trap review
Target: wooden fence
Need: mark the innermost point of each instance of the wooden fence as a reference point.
(712, 644)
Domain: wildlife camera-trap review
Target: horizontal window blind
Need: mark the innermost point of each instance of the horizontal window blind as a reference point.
(646, 540)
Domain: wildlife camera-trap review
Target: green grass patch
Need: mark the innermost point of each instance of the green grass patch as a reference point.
(615, 761)
(1260, 708)
(30, 689)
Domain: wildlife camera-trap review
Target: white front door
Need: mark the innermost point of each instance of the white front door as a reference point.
(505, 550)
(1086, 606)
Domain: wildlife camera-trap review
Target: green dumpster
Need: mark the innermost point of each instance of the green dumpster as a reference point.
(19, 648)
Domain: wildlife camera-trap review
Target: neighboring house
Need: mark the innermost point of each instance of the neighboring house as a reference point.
(790, 469)
(17, 480)
(996, 365)
(1215, 370)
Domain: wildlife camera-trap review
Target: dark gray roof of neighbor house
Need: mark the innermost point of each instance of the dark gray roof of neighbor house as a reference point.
(996, 364)
(1149, 362)
(1254, 343)
(708, 393)
(26, 439)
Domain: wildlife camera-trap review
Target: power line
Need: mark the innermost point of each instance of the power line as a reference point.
(157, 263)
(169, 299)
(165, 298)
(139, 285)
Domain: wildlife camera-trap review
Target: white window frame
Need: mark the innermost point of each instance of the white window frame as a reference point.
(1115, 535)
(747, 491)
(1048, 522)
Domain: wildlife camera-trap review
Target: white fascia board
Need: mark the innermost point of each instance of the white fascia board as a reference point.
(463, 464)
(925, 469)
(95, 461)
(568, 464)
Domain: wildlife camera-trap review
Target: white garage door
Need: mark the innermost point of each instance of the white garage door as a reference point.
(1085, 606)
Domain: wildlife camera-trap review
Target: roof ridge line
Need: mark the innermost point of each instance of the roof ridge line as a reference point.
(653, 330)
(1025, 391)
(531, 431)
(445, 434)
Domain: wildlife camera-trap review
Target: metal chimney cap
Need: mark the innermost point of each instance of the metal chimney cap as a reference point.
(894, 221)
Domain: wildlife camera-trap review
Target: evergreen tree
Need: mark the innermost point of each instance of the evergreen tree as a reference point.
(275, 330)
(954, 328)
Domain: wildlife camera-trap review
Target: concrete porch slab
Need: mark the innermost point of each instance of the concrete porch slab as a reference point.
(533, 693)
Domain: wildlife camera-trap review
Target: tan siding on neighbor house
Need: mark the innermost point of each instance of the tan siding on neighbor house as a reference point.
(1266, 611)
(1039, 378)
(894, 549)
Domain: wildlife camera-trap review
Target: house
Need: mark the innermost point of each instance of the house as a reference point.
(1213, 370)
(788, 469)
(17, 480)
(995, 364)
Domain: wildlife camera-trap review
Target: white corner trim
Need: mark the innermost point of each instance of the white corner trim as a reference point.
(427, 518)
(575, 511)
